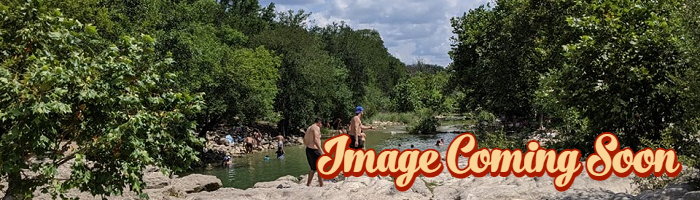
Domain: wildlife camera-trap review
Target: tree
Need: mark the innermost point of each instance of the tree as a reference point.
(421, 66)
(312, 83)
(500, 52)
(624, 71)
(368, 62)
(293, 19)
(66, 93)
(422, 90)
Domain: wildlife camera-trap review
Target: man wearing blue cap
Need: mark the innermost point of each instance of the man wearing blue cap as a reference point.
(356, 129)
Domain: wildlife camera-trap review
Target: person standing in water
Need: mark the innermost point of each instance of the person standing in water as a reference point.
(314, 150)
(280, 146)
(356, 129)
(249, 144)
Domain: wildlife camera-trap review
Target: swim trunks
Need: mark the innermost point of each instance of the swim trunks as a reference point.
(360, 144)
(279, 151)
(249, 146)
(312, 156)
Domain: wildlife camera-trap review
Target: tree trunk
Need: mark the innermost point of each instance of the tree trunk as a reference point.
(13, 181)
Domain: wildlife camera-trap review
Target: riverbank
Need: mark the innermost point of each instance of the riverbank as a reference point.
(443, 186)
(217, 145)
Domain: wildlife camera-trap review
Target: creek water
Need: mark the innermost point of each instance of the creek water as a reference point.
(253, 168)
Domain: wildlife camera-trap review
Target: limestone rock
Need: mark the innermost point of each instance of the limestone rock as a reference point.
(694, 195)
(156, 180)
(197, 182)
(671, 192)
(420, 187)
(275, 184)
(289, 178)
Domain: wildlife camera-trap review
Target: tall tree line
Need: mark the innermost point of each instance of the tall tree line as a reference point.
(627, 67)
(120, 85)
(253, 62)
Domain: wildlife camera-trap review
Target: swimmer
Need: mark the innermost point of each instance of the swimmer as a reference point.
(227, 161)
(440, 142)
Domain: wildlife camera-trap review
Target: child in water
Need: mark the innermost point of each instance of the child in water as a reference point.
(227, 161)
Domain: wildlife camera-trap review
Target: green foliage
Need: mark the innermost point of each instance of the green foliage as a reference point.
(623, 73)
(375, 101)
(582, 68)
(254, 74)
(405, 96)
(494, 69)
(499, 139)
(368, 62)
(313, 84)
(423, 90)
(427, 123)
(485, 117)
(421, 67)
(125, 102)
(683, 138)
(237, 82)
(61, 83)
(403, 117)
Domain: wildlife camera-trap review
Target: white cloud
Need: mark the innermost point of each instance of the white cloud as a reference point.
(411, 29)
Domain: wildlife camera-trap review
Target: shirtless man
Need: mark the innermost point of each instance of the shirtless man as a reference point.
(249, 143)
(314, 150)
(356, 129)
(258, 138)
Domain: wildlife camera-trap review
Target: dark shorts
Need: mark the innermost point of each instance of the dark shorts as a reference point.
(279, 152)
(312, 156)
(360, 144)
(249, 146)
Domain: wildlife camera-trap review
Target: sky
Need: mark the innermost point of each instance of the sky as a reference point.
(411, 29)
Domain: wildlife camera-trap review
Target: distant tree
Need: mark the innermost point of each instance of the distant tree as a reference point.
(312, 83)
(421, 67)
(368, 62)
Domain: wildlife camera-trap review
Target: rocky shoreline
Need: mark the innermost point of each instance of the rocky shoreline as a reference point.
(217, 146)
(444, 186)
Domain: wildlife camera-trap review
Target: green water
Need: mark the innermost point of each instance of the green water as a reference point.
(253, 168)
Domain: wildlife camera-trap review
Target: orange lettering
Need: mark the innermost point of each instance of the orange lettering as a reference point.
(405, 166)
(536, 161)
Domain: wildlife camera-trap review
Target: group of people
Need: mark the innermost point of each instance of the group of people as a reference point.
(251, 143)
(251, 138)
(312, 141)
